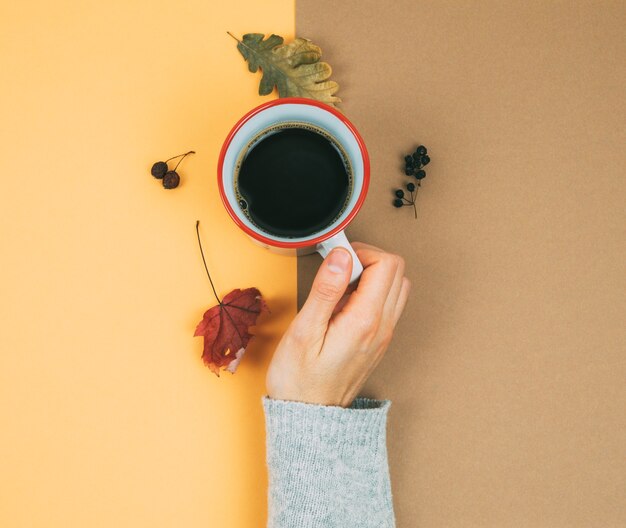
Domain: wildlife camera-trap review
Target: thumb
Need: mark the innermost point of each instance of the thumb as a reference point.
(328, 287)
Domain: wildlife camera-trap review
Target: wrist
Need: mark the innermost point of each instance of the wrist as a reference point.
(310, 396)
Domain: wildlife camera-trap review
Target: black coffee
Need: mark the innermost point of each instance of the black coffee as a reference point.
(294, 181)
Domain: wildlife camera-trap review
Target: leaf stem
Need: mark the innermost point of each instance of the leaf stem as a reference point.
(205, 266)
(256, 52)
(233, 36)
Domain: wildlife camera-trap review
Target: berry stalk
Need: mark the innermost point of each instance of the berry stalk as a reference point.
(183, 155)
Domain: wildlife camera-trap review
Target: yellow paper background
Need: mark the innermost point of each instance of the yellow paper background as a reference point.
(108, 417)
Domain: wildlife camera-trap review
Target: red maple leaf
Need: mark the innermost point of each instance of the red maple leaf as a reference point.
(225, 328)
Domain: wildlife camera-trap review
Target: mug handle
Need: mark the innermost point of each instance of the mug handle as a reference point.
(340, 240)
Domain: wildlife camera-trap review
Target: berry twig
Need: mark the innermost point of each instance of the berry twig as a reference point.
(169, 178)
(413, 166)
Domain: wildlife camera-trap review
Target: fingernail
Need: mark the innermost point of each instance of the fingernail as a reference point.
(338, 261)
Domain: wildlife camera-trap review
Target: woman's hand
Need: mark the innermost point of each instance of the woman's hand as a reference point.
(338, 338)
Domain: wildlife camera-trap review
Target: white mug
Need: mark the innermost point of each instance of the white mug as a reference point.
(327, 118)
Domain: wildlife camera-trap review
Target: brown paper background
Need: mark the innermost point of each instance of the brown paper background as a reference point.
(507, 372)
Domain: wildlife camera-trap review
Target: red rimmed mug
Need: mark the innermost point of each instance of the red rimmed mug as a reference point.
(322, 116)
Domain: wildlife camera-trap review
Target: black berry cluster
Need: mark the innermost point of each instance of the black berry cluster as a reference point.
(413, 166)
(161, 171)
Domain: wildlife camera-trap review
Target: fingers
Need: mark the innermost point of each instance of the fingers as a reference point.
(344, 298)
(363, 245)
(402, 299)
(394, 292)
(328, 287)
(382, 291)
(378, 275)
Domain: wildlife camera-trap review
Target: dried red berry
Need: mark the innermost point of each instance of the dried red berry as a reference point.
(159, 169)
(171, 180)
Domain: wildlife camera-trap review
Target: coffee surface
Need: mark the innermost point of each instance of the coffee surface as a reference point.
(293, 182)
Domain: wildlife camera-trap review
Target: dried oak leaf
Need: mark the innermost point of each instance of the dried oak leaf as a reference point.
(294, 68)
(225, 328)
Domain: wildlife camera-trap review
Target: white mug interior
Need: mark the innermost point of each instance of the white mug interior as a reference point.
(286, 113)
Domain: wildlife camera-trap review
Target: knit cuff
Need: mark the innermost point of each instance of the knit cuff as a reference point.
(364, 422)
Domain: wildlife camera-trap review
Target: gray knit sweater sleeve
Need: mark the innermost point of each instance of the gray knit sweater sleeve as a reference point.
(328, 465)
